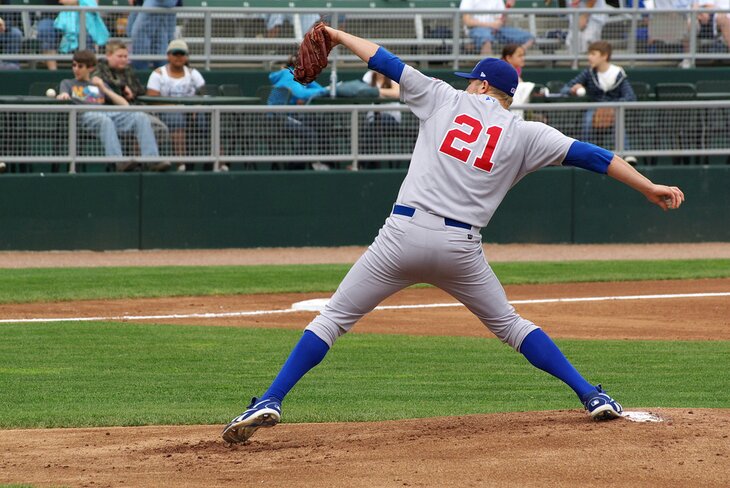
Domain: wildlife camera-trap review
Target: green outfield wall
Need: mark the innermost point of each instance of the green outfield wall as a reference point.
(281, 209)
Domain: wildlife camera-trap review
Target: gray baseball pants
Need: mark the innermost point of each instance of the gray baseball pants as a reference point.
(422, 249)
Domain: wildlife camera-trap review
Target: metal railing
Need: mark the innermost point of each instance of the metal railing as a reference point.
(239, 35)
(344, 134)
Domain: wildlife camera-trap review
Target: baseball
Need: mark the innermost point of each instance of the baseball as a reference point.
(51, 93)
(581, 92)
(668, 202)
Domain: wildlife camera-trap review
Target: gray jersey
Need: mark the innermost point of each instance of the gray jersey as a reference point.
(470, 151)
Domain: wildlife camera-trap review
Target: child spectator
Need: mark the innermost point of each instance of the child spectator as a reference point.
(116, 72)
(93, 91)
(603, 82)
(514, 54)
(119, 75)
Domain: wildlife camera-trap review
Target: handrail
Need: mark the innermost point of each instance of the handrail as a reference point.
(698, 127)
(554, 50)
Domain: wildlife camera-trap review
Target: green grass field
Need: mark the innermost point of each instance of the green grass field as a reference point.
(32, 285)
(62, 375)
(102, 374)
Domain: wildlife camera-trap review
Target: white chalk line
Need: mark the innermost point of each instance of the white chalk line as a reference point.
(213, 315)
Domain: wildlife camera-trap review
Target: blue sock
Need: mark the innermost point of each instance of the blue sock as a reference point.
(542, 353)
(307, 354)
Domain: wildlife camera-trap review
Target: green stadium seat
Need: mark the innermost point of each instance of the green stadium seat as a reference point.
(263, 92)
(230, 90)
(675, 91)
(713, 86)
(210, 90)
(641, 89)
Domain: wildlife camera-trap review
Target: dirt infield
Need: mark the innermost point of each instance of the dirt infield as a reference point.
(706, 318)
(554, 448)
(537, 449)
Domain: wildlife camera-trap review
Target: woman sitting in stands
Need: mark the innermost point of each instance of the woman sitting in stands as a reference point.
(177, 79)
(514, 54)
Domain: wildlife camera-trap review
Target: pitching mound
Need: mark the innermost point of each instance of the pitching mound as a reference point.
(554, 448)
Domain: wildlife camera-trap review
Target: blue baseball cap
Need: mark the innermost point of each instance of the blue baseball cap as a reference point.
(500, 74)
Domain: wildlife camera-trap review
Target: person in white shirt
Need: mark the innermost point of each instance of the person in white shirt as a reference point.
(177, 79)
(486, 28)
(670, 28)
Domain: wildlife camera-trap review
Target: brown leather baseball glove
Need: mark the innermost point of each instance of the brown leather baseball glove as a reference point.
(313, 52)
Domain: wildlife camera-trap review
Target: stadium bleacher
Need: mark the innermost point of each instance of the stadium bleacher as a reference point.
(243, 55)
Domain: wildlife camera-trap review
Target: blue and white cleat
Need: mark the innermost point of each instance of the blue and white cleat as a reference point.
(260, 413)
(600, 406)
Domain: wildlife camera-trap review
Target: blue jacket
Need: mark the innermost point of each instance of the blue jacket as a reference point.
(620, 91)
(68, 22)
(299, 93)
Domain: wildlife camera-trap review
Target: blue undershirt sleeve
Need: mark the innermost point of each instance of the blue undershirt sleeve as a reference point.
(387, 63)
(588, 156)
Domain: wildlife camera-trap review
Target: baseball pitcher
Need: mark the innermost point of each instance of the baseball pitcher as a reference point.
(470, 151)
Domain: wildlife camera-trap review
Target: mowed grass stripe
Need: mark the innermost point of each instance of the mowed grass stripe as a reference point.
(105, 374)
(55, 284)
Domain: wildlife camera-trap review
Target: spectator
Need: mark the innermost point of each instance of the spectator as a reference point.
(177, 79)
(379, 124)
(152, 32)
(720, 21)
(300, 94)
(514, 54)
(386, 87)
(93, 91)
(10, 37)
(603, 82)
(68, 23)
(116, 72)
(48, 35)
(486, 28)
(669, 32)
(285, 90)
(590, 26)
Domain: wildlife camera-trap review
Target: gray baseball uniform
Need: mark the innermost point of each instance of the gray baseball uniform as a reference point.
(470, 151)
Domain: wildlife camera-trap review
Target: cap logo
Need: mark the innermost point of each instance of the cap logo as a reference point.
(482, 74)
(512, 91)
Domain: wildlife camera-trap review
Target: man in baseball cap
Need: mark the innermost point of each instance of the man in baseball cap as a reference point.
(498, 73)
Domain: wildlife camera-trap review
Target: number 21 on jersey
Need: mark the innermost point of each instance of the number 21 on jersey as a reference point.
(470, 135)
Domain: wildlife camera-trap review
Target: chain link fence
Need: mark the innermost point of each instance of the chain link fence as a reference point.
(240, 36)
(161, 138)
